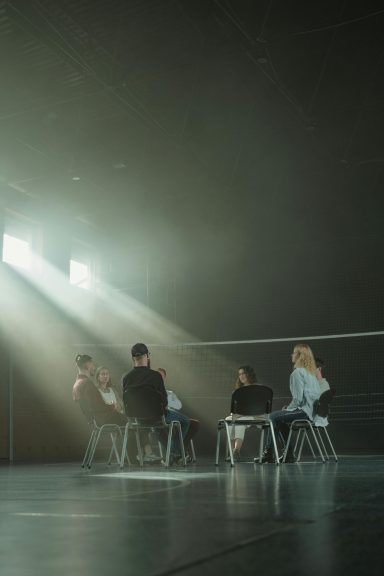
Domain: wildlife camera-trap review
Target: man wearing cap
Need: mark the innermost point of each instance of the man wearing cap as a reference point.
(143, 376)
(85, 390)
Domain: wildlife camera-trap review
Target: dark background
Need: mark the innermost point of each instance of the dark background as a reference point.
(227, 158)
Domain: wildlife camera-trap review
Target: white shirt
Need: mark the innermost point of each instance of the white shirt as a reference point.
(173, 401)
(109, 396)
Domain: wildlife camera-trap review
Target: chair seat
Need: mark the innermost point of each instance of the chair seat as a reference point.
(252, 421)
(297, 424)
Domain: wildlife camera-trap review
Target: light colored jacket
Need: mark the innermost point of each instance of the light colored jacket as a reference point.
(305, 389)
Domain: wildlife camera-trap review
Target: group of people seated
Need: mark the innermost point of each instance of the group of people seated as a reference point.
(306, 385)
(94, 387)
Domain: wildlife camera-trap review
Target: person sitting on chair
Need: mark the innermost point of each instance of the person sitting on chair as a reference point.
(107, 390)
(324, 386)
(323, 383)
(84, 390)
(143, 376)
(305, 390)
(246, 377)
(174, 404)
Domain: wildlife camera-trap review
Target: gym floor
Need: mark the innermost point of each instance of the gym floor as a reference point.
(307, 518)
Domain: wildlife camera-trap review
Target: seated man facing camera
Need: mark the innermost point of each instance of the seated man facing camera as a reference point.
(174, 405)
(85, 391)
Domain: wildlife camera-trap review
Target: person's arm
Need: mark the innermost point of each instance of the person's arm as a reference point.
(296, 385)
(173, 400)
(118, 405)
(95, 401)
(161, 389)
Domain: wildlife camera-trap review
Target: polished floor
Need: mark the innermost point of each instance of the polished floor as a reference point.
(307, 518)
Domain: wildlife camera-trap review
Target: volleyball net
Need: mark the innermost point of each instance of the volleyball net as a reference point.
(203, 374)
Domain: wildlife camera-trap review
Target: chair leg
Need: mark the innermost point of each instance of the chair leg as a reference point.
(317, 445)
(169, 442)
(160, 449)
(93, 450)
(229, 445)
(111, 450)
(287, 445)
(330, 444)
(192, 448)
(181, 440)
(88, 449)
(321, 442)
(301, 434)
(310, 445)
(124, 452)
(274, 444)
(298, 436)
(139, 449)
(261, 444)
(218, 438)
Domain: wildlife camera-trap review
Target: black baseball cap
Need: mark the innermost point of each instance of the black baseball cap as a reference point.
(82, 359)
(139, 349)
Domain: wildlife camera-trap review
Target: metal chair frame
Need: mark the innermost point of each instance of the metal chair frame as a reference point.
(302, 427)
(114, 431)
(256, 406)
(97, 432)
(136, 426)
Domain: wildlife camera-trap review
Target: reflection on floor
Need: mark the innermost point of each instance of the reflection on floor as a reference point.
(293, 519)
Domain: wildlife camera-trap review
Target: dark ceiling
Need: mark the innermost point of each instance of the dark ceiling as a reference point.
(219, 126)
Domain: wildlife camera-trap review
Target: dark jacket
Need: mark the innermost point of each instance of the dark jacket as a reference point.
(144, 394)
(84, 390)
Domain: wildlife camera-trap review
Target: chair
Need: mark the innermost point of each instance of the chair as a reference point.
(194, 426)
(254, 401)
(145, 411)
(304, 427)
(97, 431)
(320, 424)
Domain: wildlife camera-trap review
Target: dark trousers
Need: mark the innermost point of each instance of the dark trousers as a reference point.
(280, 421)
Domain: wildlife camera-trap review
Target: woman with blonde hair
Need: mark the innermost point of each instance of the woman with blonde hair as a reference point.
(305, 390)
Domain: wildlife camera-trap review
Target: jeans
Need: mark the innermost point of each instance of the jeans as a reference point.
(280, 420)
(173, 415)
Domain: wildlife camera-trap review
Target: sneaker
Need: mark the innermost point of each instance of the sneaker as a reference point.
(152, 458)
(236, 456)
(290, 457)
(268, 456)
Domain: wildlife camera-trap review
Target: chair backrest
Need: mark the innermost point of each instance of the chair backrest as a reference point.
(144, 403)
(321, 406)
(86, 410)
(252, 400)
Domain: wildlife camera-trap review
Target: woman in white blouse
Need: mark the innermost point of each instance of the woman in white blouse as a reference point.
(107, 392)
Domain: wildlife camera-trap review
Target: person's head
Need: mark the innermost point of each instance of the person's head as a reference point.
(302, 357)
(103, 377)
(320, 364)
(246, 375)
(163, 372)
(85, 364)
(140, 355)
